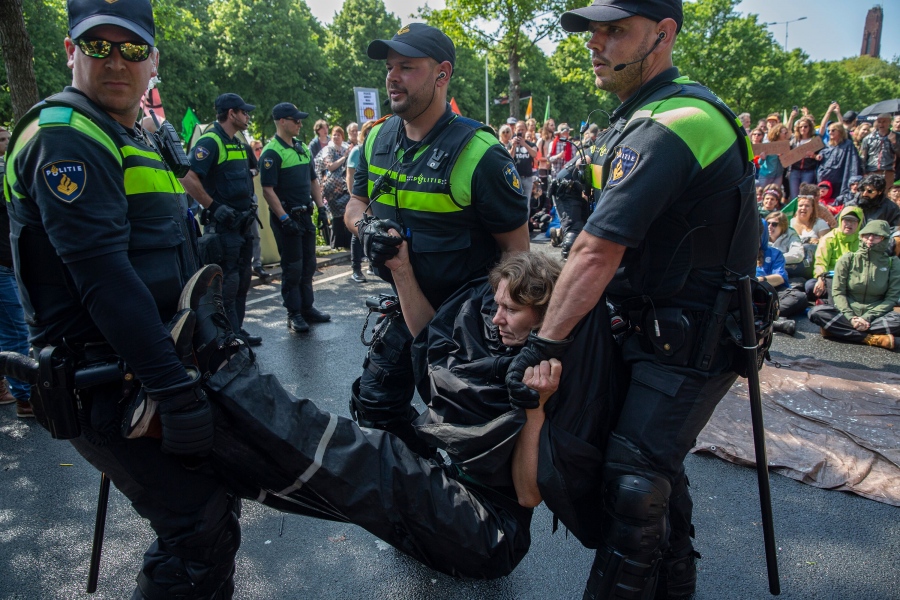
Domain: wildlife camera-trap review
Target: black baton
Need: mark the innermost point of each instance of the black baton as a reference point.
(99, 529)
(748, 335)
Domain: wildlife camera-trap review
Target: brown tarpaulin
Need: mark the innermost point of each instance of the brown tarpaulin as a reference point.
(827, 426)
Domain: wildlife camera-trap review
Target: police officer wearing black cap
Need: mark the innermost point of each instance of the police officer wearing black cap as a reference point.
(221, 182)
(674, 225)
(102, 248)
(447, 186)
(290, 186)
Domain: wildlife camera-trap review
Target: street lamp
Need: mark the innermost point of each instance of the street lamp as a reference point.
(785, 23)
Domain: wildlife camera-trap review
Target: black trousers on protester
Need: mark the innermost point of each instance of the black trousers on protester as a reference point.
(298, 266)
(830, 319)
(284, 451)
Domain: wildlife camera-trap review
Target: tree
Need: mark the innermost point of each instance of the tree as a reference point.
(507, 27)
(577, 94)
(358, 23)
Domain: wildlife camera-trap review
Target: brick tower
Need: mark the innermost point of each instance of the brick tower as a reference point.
(871, 42)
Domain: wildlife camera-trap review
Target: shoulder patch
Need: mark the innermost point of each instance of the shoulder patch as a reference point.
(624, 161)
(201, 153)
(65, 179)
(267, 163)
(55, 115)
(512, 178)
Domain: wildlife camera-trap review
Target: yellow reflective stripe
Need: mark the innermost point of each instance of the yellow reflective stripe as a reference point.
(597, 176)
(422, 201)
(147, 180)
(393, 175)
(90, 129)
(132, 151)
(10, 180)
(236, 155)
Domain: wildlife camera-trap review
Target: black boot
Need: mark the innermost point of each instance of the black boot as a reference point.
(566, 246)
(786, 326)
(214, 341)
(296, 323)
(314, 315)
(401, 427)
(358, 276)
(250, 340)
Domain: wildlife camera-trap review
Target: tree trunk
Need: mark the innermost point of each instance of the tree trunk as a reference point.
(514, 80)
(18, 58)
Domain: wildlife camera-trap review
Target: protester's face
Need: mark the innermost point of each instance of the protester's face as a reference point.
(883, 125)
(896, 125)
(4, 141)
(505, 134)
(770, 202)
(257, 149)
(864, 130)
(520, 128)
(513, 320)
(337, 138)
(112, 82)
(849, 225)
(410, 83)
(552, 124)
(854, 187)
(759, 195)
(774, 230)
(352, 132)
(894, 195)
(869, 193)
(616, 42)
(823, 191)
(804, 208)
(870, 239)
(745, 121)
(804, 130)
(756, 137)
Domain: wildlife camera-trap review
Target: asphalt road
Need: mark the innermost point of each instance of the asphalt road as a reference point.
(832, 545)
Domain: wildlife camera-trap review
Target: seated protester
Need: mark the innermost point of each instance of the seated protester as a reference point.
(771, 200)
(873, 202)
(894, 194)
(866, 290)
(827, 199)
(770, 269)
(788, 242)
(806, 223)
(832, 246)
(851, 192)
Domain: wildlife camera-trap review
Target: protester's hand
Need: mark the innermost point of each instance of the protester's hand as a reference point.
(401, 260)
(536, 350)
(860, 324)
(820, 289)
(543, 378)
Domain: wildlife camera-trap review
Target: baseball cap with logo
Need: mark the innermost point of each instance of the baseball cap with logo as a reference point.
(416, 40)
(286, 110)
(578, 20)
(134, 15)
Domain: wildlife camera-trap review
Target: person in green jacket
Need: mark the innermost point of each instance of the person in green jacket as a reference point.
(839, 241)
(866, 289)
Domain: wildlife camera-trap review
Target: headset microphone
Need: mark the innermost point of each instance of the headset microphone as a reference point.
(442, 75)
(659, 38)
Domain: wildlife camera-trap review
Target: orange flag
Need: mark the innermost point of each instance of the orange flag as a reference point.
(454, 107)
(528, 110)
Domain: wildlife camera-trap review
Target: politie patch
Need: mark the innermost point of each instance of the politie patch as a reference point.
(624, 161)
(200, 152)
(267, 163)
(512, 178)
(65, 178)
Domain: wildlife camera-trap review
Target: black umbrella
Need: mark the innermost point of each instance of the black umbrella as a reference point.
(885, 106)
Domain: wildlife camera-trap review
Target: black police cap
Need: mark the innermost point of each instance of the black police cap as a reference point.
(416, 40)
(602, 11)
(229, 101)
(286, 110)
(134, 15)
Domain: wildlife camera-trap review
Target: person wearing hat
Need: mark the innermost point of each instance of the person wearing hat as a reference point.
(443, 183)
(865, 291)
(221, 182)
(839, 241)
(290, 187)
(102, 249)
(675, 221)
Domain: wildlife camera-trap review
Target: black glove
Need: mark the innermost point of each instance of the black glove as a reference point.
(536, 349)
(289, 227)
(186, 419)
(225, 215)
(377, 242)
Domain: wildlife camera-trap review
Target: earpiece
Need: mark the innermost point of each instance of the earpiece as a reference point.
(662, 35)
(442, 75)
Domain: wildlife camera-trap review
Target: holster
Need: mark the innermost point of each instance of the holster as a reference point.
(667, 332)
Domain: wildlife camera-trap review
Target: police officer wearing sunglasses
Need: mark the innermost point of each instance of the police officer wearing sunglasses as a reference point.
(102, 250)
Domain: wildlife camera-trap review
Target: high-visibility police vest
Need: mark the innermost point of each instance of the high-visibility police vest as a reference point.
(448, 244)
(709, 236)
(161, 246)
(230, 182)
(293, 156)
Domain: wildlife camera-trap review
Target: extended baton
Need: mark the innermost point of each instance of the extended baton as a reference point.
(748, 335)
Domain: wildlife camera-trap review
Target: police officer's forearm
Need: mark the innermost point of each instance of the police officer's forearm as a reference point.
(355, 210)
(273, 201)
(194, 187)
(591, 265)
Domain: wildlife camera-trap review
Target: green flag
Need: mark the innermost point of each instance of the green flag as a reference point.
(188, 123)
(547, 110)
(790, 209)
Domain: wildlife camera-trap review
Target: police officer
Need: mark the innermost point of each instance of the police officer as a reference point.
(675, 210)
(102, 249)
(290, 187)
(447, 185)
(220, 181)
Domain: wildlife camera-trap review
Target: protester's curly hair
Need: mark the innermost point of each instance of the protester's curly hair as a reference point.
(530, 278)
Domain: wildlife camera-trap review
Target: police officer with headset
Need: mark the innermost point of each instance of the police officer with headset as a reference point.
(103, 248)
(441, 181)
(673, 226)
(221, 182)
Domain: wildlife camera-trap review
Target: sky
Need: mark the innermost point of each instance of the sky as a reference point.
(832, 29)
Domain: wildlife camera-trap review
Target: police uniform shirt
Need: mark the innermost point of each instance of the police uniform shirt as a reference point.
(204, 157)
(654, 165)
(287, 181)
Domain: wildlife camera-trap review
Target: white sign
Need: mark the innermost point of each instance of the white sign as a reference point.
(368, 108)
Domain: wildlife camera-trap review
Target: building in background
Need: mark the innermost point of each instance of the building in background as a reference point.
(871, 42)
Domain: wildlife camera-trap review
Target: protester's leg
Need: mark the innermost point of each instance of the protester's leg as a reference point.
(663, 413)
(888, 324)
(13, 331)
(835, 324)
(289, 448)
(791, 302)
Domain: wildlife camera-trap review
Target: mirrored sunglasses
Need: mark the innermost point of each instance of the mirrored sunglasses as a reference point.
(102, 48)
